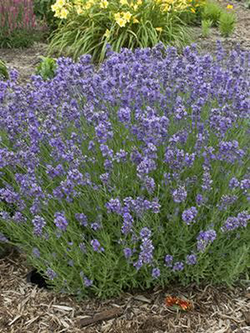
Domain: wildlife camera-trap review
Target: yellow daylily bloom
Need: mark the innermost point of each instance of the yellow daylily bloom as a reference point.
(63, 13)
(60, 3)
(107, 33)
(127, 16)
(135, 7)
(135, 20)
(159, 29)
(166, 8)
(79, 10)
(54, 8)
(121, 22)
(104, 4)
(117, 16)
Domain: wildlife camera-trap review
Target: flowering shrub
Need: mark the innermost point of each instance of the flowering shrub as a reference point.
(17, 23)
(88, 25)
(133, 175)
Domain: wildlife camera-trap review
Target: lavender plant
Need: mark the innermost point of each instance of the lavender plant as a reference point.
(131, 175)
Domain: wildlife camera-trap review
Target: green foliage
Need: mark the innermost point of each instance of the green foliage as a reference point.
(205, 27)
(3, 70)
(212, 11)
(20, 38)
(227, 23)
(46, 68)
(42, 9)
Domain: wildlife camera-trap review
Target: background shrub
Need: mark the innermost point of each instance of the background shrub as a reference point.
(88, 26)
(42, 9)
(18, 24)
(133, 175)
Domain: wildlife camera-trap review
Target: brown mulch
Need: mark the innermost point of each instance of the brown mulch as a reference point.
(25, 308)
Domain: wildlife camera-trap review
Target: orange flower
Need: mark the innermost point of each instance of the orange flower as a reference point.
(183, 304)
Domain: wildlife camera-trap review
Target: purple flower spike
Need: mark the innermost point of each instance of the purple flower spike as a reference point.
(179, 195)
(60, 221)
(127, 252)
(39, 223)
(51, 274)
(189, 215)
(145, 233)
(156, 273)
(82, 219)
(191, 259)
(3, 239)
(36, 252)
(178, 266)
(87, 282)
(204, 238)
(169, 260)
(114, 206)
(96, 245)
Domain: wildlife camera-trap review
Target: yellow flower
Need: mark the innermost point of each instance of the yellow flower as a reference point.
(79, 10)
(135, 7)
(192, 10)
(127, 16)
(89, 4)
(139, 2)
(230, 6)
(121, 22)
(117, 16)
(166, 8)
(104, 4)
(158, 29)
(60, 3)
(63, 13)
(124, 2)
(135, 20)
(54, 7)
(107, 33)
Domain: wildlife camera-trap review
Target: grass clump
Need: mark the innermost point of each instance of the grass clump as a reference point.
(212, 12)
(205, 27)
(227, 23)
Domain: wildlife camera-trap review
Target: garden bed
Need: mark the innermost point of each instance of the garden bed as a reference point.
(25, 308)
